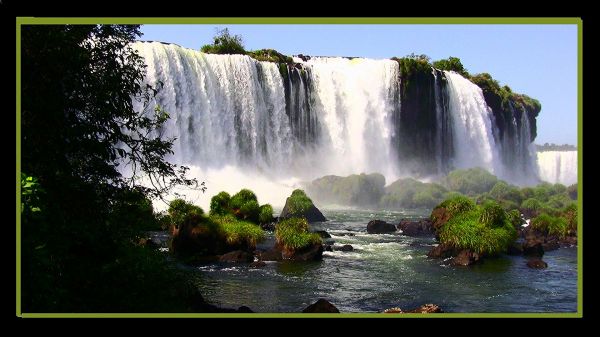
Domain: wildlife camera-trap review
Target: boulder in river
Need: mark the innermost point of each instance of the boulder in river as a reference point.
(421, 227)
(536, 263)
(344, 248)
(378, 226)
(321, 306)
(466, 257)
(237, 256)
(301, 206)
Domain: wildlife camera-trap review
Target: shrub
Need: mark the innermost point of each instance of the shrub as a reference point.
(224, 43)
(550, 224)
(504, 191)
(249, 211)
(219, 204)
(559, 201)
(452, 64)
(270, 55)
(265, 214)
(292, 234)
(471, 181)
(465, 231)
(569, 213)
(514, 217)
(531, 204)
(458, 204)
(410, 193)
(241, 197)
(239, 232)
(492, 215)
(299, 203)
(180, 209)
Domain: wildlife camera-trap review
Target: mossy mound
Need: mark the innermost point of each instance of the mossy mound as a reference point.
(299, 205)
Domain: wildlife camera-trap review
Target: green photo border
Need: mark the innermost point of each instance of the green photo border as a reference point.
(282, 20)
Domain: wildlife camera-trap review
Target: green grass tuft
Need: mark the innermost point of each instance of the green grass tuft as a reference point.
(299, 203)
(552, 225)
(293, 234)
(239, 232)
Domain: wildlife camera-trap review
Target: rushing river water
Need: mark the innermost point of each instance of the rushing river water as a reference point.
(392, 270)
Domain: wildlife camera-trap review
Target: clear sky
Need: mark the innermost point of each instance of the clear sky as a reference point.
(537, 60)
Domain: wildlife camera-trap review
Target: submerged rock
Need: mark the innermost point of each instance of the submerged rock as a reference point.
(269, 255)
(378, 226)
(310, 253)
(344, 248)
(441, 251)
(422, 227)
(237, 256)
(537, 263)
(466, 257)
(321, 306)
(257, 264)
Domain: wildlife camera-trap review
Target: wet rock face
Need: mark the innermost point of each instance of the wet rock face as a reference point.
(378, 227)
(310, 253)
(466, 258)
(321, 306)
(237, 256)
(536, 263)
(423, 227)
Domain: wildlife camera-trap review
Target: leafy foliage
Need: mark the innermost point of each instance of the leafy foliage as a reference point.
(470, 181)
(239, 232)
(180, 209)
(225, 43)
(452, 64)
(79, 127)
(219, 204)
(410, 193)
(354, 190)
(265, 214)
(293, 234)
(270, 55)
(550, 224)
(299, 203)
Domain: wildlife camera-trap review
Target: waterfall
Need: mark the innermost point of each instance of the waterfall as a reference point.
(558, 166)
(472, 126)
(239, 122)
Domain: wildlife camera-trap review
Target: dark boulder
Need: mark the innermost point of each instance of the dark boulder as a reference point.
(344, 248)
(299, 205)
(466, 257)
(439, 217)
(321, 306)
(268, 226)
(422, 227)
(536, 263)
(198, 304)
(237, 256)
(328, 248)
(441, 251)
(310, 253)
(378, 226)
(270, 255)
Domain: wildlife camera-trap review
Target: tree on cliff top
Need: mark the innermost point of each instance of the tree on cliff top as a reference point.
(225, 43)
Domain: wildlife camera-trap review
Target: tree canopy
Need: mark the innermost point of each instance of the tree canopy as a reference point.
(86, 113)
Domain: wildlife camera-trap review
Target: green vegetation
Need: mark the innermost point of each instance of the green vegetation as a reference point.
(239, 232)
(270, 55)
(354, 190)
(180, 209)
(298, 203)
(555, 147)
(219, 204)
(265, 214)
(551, 225)
(470, 181)
(411, 193)
(451, 64)
(81, 219)
(225, 43)
(483, 229)
(293, 234)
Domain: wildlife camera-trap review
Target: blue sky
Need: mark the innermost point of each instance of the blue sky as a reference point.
(537, 60)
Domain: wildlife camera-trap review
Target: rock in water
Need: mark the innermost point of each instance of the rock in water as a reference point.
(465, 258)
(416, 228)
(321, 306)
(378, 226)
(300, 205)
(426, 309)
(537, 263)
(237, 256)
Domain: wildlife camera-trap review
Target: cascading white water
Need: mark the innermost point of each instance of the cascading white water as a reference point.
(354, 101)
(558, 166)
(244, 123)
(472, 127)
